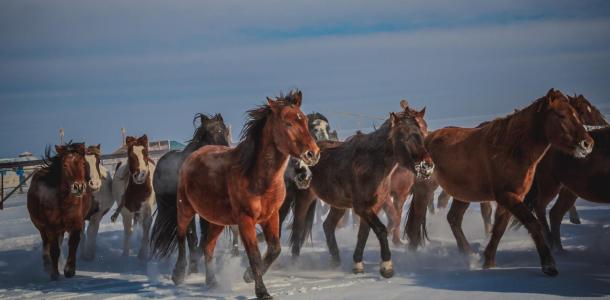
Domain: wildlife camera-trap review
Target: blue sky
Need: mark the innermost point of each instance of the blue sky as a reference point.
(149, 66)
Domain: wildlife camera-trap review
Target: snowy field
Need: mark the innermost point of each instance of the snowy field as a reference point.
(437, 271)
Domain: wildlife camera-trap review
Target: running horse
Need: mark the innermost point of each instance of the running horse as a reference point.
(58, 201)
(350, 174)
(242, 185)
(211, 131)
(132, 190)
(500, 160)
(569, 177)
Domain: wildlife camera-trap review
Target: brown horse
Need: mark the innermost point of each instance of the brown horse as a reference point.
(243, 186)
(570, 177)
(133, 192)
(500, 160)
(58, 201)
(349, 175)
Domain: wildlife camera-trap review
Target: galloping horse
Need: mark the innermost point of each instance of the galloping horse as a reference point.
(100, 184)
(133, 192)
(58, 201)
(211, 131)
(571, 177)
(349, 175)
(243, 186)
(499, 160)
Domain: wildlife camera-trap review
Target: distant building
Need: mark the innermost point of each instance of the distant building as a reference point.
(156, 145)
(11, 176)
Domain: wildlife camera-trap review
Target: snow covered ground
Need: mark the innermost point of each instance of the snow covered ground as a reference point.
(437, 271)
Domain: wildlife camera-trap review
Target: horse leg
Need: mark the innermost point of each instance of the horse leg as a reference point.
(299, 231)
(54, 243)
(272, 238)
(399, 203)
(91, 240)
(127, 231)
(185, 216)
(574, 217)
(194, 252)
(70, 268)
(415, 228)
(146, 223)
(393, 221)
(370, 217)
(443, 200)
(499, 227)
(455, 217)
(46, 252)
(208, 244)
(330, 224)
(564, 202)
(486, 211)
(234, 240)
(525, 216)
(247, 230)
(363, 235)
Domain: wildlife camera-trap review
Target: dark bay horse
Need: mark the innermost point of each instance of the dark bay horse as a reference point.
(569, 177)
(133, 192)
(349, 175)
(500, 160)
(242, 185)
(58, 201)
(211, 131)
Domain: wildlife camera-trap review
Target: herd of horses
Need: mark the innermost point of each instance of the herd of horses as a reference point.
(287, 162)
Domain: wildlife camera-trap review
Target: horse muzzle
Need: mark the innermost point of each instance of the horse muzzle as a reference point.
(310, 158)
(424, 169)
(94, 185)
(140, 177)
(303, 180)
(583, 149)
(78, 189)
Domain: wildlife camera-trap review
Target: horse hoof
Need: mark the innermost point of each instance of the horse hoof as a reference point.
(211, 283)
(386, 270)
(575, 221)
(193, 269)
(248, 278)
(178, 277)
(397, 242)
(489, 265)
(550, 270)
(263, 295)
(69, 273)
(235, 251)
(358, 268)
(335, 262)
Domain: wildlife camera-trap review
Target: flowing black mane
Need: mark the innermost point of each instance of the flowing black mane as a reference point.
(50, 173)
(251, 134)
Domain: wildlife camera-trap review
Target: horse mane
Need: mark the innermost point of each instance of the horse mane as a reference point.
(199, 133)
(50, 173)
(316, 116)
(252, 132)
(507, 133)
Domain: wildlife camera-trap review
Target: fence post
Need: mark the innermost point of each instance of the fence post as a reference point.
(2, 190)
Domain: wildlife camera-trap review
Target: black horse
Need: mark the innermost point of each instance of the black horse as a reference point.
(211, 131)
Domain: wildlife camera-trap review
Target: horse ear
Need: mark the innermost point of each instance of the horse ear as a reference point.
(298, 98)
(551, 93)
(404, 104)
(143, 140)
(59, 149)
(98, 146)
(272, 104)
(422, 112)
(393, 120)
(218, 117)
(130, 140)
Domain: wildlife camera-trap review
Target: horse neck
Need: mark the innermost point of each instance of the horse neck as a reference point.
(528, 137)
(378, 144)
(270, 162)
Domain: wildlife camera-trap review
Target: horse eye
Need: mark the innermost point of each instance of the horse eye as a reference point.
(288, 124)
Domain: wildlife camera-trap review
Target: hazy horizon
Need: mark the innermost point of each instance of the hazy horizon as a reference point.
(94, 67)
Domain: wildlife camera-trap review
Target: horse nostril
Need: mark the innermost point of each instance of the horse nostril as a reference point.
(585, 144)
(309, 155)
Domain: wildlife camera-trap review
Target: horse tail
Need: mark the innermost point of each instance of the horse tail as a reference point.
(164, 237)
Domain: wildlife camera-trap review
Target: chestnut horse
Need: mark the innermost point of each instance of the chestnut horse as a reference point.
(370, 158)
(58, 201)
(570, 177)
(132, 190)
(100, 184)
(243, 186)
(211, 131)
(500, 160)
